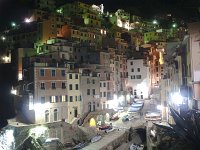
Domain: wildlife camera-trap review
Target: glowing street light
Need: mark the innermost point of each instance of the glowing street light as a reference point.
(13, 24)
(177, 98)
(174, 25)
(6, 59)
(155, 22)
(3, 38)
(27, 20)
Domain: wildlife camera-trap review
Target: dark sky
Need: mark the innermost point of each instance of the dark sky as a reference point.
(15, 10)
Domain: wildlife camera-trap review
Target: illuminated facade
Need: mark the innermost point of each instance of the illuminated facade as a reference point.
(138, 78)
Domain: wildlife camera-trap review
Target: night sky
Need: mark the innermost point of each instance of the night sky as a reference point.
(15, 10)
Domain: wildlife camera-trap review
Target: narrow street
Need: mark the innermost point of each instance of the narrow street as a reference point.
(123, 127)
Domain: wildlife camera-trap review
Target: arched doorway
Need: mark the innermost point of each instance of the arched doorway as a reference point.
(92, 122)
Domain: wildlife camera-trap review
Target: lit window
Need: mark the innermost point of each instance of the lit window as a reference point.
(52, 99)
(63, 98)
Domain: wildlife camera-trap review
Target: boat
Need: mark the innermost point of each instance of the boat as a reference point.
(109, 130)
(104, 127)
(96, 138)
(79, 146)
(136, 147)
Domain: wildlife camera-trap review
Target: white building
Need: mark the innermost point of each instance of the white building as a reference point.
(138, 78)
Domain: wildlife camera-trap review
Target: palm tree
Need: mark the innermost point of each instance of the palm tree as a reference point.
(184, 134)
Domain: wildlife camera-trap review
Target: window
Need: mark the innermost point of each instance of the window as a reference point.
(97, 104)
(138, 69)
(70, 87)
(56, 99)
(63, 98)
(100, 94)
(53, 85)
(42, 86)
(52, 99)
(46, 116)
(138, 76)
(93, 91)
(133, 77)
(53, 73)
(88, 91)
(100, 85)
(42, 99)
(63, 73)
(55, 115)
(76, 86)
(104, 94)
(88, 81)
(76, 76)
(93, 81)
(42, 72)
(71, 98)
(132, 70)
(63, 85)
(104, 84)
(131, 63)
(70, 76)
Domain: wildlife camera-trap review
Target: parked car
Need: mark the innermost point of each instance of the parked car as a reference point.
(53, 144)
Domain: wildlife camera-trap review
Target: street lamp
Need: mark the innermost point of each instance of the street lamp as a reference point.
(155, 22)
(174, 25)
(177, 98)
(27, 20)
(3, 38)
(13, 24)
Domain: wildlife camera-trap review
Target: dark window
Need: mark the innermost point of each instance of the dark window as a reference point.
(63, 73)
(138, 76)
(63, 85)
(42, 86)
(138, 69)
(71, 98)
(76, 86)
(53, 85)
(100, 94)
(42, 72)
(93, 81)
(53, 73)
(93, 91)
(42, 100)
(132, 70)
(104, 94)
(55, 114)
(66, 98)
(76, 76)
(104, 84)
(100, 84)
(131, 63)
(70, 76)
(88, 91)
(70, 87)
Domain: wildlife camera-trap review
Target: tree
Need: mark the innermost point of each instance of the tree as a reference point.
(184, 134)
